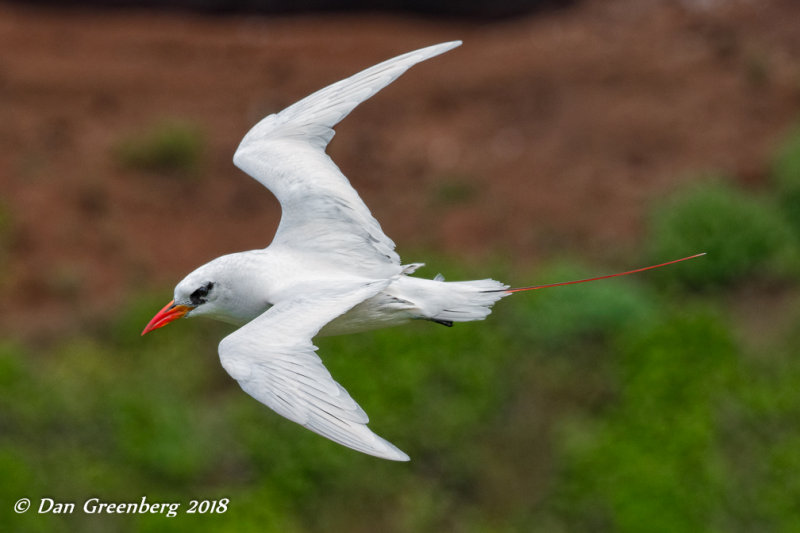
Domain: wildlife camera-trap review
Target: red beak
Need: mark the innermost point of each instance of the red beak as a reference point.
(165, 316)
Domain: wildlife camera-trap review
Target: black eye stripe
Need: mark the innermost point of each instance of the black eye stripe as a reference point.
(199, 296)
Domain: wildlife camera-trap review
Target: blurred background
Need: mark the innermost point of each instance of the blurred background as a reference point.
(562, 140)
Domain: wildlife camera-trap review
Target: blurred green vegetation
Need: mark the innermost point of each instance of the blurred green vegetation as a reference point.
(453, 190)
(786, 173)
(168, 146)
(635, 404)
(744, 235)
(6, 231)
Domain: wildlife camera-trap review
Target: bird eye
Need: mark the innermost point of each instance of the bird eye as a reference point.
(199, 296)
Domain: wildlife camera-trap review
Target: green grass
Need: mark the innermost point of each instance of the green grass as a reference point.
(169, 146)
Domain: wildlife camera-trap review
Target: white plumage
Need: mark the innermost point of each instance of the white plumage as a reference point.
(330, 269)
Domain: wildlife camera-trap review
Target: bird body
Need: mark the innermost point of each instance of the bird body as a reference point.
(267, 277)
(329, 270)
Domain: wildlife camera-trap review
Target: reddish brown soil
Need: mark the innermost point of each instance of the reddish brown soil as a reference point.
(549, 133)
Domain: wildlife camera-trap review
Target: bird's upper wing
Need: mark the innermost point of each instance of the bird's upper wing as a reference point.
(274, 361)
(322, 213)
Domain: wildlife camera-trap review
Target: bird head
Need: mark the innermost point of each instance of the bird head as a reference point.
(225, 289)
(191, 298)
(204, 292)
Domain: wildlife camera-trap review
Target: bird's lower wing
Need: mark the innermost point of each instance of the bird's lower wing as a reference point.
(275, 362)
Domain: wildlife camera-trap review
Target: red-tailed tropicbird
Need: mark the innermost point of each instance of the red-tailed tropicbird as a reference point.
(329, 270)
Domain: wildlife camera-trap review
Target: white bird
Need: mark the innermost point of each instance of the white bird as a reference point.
(329, 270)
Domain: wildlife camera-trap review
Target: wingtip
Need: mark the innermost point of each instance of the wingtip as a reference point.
(397, 455)
(390, 451)
(437, 49)
(449, 45)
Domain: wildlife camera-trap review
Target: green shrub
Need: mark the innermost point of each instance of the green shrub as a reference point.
(651, 463)
(742, 234)
(555, 317)
(453, 190)
(169, 146)
(5, 219)
(6, 227)
(643, 416)
(762, 436)
(786, 175)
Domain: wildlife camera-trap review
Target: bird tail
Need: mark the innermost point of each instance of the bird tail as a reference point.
(560, 283)
(446, 302)
(465, 301)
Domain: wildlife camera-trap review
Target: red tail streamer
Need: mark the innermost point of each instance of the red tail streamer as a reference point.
(520, 289)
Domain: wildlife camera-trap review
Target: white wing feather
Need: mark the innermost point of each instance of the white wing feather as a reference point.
(322, 213)
(274, 361)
